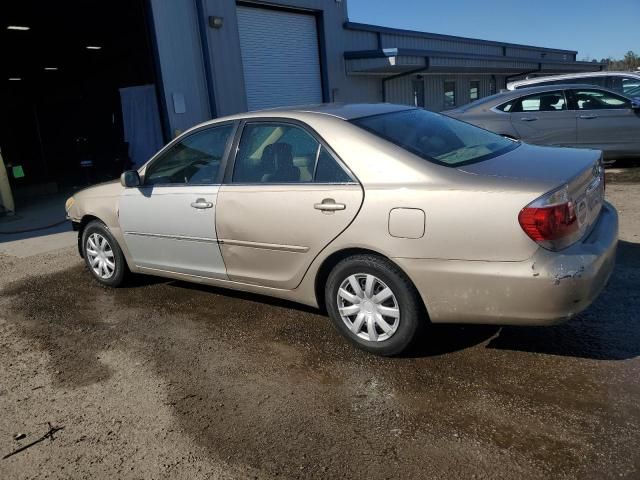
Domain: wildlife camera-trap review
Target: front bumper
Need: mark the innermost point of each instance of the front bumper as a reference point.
(548, 288)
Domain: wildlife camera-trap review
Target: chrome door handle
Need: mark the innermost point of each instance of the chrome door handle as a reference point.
(201, 203)
(529, 119)
(329, 205)
(588, 117)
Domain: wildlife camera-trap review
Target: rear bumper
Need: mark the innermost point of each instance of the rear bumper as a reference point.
(548, 288)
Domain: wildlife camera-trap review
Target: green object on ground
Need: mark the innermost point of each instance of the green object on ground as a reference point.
(18, 171)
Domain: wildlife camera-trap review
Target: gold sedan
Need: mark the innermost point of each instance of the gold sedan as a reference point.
(390, 217)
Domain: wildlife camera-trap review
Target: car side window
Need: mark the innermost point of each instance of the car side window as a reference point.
(281, 153)
(629, 86)
(195, 160)
(506, 107)
(541, 102)
(600, 80)
(328, 170)
(598, 100)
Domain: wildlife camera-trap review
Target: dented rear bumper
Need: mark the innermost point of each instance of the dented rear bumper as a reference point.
(548, 288)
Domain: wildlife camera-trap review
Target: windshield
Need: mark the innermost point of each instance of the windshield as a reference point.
(435, 137)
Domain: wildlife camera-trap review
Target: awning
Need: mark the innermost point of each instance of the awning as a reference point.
(396, 61)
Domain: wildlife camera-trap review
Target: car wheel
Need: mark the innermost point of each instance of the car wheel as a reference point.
(374, 304)
(102, 255)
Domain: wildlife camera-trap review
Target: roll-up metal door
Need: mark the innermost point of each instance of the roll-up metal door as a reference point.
(280, 57)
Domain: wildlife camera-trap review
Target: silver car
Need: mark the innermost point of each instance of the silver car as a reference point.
(626, 83)
(581, 116)
(388, 216)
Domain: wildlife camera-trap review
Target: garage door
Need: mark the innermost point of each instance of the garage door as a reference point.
(280, 57)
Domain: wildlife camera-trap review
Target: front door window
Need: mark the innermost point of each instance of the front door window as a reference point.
(194, 160)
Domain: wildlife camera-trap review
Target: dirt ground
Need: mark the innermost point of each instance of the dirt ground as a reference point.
(168, 380)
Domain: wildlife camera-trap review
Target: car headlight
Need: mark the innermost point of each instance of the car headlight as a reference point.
(69, 203)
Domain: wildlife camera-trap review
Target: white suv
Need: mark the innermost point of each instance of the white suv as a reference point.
(627, 83)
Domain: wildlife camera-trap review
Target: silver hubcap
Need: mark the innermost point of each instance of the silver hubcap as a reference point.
(368, 307)
(100, 256)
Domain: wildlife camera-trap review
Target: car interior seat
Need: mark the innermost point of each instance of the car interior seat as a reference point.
(277, 160)
(585, 102)
(548, 102)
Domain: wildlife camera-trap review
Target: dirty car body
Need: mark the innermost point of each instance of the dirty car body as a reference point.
(388, 216)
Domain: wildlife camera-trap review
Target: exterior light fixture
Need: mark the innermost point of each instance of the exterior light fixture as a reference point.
(51, 69)
(21, 28)
(93, 47)
(215, 22)
(14, 79)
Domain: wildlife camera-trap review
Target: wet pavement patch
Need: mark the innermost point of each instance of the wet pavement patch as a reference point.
(270, 385)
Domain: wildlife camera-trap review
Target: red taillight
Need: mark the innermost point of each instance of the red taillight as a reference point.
(549, 223)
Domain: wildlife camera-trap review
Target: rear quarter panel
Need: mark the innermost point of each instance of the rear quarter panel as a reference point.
(479, 225)
(468, 216)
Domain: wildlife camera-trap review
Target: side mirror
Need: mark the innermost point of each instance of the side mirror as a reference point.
(635, 103)
(130, 179)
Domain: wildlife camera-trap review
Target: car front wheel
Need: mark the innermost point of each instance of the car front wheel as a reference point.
(373, 303)
(102, 255)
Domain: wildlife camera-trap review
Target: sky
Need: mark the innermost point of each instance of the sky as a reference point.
(595, 28)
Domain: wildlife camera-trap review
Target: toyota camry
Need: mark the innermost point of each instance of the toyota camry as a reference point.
(387, 216)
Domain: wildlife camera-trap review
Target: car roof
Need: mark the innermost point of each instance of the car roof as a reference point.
(342, 111)
(569, 76)
(345, 111)
(560, 86)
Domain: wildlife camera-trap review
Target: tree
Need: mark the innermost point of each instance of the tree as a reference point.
(631, 60)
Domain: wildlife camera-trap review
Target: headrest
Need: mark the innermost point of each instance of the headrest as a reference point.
(280, 154)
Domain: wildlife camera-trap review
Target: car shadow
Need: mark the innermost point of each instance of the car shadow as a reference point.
(608, 330)
(437, 340)
(247, 296)
(443, 339)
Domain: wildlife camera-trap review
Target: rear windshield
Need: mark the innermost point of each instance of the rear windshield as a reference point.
(481, 101)
(435, 137)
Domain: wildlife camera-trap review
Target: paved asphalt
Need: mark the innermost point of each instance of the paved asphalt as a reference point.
(165, 379)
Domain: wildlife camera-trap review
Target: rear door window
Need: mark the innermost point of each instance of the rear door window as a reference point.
(598, 100)
(328, 170)
(541, 102)
(275, 152)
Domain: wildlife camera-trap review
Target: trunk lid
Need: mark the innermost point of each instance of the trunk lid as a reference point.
(581, 170)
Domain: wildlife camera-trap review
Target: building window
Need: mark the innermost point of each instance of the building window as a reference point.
(449, 94)
(418, 92)
(474, 90)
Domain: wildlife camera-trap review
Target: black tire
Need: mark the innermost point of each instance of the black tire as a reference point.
(121, 270)
(412, 315)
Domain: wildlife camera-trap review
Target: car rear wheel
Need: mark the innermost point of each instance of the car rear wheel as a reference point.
(102, 255)
(374, 305)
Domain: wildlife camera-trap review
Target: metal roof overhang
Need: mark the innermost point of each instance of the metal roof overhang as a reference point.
(397, 61)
